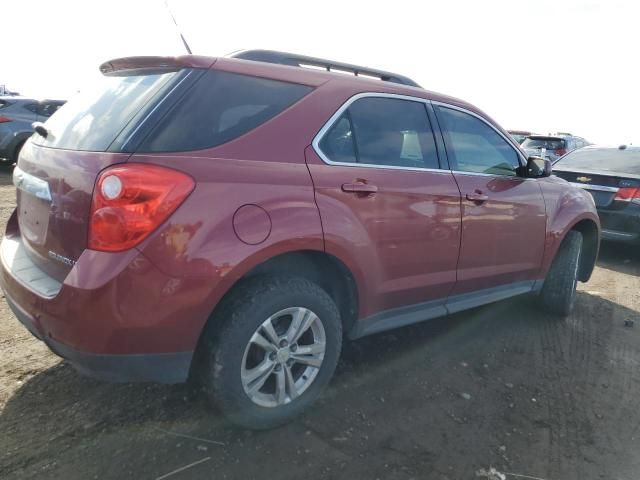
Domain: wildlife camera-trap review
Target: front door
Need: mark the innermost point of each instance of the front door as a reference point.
(503, 215)
(385, 203)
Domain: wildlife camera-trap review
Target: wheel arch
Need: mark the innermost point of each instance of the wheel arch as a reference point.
(322, 268)
(590, 246)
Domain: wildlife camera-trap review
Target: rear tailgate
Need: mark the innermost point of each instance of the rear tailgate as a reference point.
(54, 190)
(603, 188)
(57, 169)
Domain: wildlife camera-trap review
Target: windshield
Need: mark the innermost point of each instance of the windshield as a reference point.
(93, 119)
(607, 159)
(544, 142)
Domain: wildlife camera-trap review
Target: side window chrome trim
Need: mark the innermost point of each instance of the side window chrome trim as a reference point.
(332, 120)
(494, 175)
(510, 142)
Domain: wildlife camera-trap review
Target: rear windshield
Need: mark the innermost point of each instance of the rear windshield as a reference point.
(221, 106)
(93, 119)
(543, 142)
(606, 159)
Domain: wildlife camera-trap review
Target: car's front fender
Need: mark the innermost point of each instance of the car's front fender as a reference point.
(569, 208)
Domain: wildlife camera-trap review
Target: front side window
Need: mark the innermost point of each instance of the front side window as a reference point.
(475, 147)
(382, 131)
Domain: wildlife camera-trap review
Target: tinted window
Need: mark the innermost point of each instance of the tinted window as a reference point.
(46, 109)
(32, 107)
(476, 147)
(544, 142)
(4, 103)
(338, 143)
(220, 107)
(93, 119)
(382, 131)
(605, 159)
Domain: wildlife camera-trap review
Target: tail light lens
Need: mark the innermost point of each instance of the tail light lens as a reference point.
(131, 201)
(4, 119)
(628, 194)
(560, 151)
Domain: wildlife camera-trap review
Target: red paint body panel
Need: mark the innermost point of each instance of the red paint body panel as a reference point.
(405, 237)
(503, 237)
(566, 206)
(62, 226)
(402, 244)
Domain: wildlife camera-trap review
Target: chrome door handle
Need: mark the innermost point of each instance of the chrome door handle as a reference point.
(359, 187)
(477, 197)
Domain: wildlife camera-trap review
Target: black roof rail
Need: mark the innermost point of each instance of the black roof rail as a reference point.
(292, 59)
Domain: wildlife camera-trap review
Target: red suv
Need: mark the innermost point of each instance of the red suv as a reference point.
(233, 219)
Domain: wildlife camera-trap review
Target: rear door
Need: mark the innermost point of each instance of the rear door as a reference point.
(385, 202)
(503, 215)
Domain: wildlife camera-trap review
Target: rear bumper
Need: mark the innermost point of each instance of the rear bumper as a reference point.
(115, 316)
(615, 236)
(158, 368)
(622, 225)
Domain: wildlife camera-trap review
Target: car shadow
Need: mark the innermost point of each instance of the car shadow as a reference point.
(620, 257)
(58, 413)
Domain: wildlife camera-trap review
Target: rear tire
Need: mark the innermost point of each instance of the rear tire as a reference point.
(559, 291)
(268, 328)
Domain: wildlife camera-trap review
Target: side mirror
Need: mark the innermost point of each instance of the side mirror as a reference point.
(537, 167)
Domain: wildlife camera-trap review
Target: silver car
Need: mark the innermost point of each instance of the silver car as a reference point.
(552, 147)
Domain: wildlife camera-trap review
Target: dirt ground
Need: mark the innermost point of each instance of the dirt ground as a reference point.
(501, 386)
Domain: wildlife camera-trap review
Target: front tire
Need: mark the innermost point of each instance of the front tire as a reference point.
(559, 291)
(273, 346)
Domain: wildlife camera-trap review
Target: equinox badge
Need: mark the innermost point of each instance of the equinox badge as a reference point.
(62, 259)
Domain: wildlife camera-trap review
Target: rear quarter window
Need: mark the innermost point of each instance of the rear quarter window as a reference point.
(220, 107)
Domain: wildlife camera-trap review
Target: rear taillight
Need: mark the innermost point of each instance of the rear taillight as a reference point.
(131, 201)
(560, 151)
(628, 194)
(4, 119)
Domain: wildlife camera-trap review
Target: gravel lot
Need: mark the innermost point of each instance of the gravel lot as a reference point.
(501, 386)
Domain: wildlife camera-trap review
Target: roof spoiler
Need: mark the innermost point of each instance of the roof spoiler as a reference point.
(130, 65)
(291, 59)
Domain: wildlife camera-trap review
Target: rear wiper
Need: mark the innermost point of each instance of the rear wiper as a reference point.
(40, 129)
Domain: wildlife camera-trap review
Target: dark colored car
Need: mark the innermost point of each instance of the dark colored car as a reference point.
(230, 220)
(552, 147)
(17, 114)
(519, 135)
(612, 176)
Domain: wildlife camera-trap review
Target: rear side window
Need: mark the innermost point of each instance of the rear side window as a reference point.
(382, 131)
(93, 119)
(46, 109)
(3, 103)
(625, 161)
(475, 146)
(221, 106)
